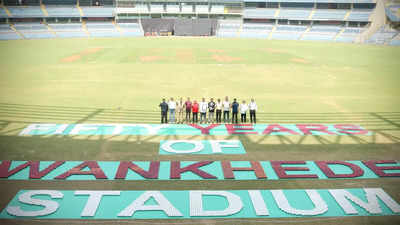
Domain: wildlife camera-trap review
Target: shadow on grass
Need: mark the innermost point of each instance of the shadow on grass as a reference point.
(383, 142)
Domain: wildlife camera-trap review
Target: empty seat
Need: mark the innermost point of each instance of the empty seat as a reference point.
(70, 11)
(329, 14)
(318, 37)
(259, 13)
(97, 11)
(294, 13)
(26, 11)
(285, 35)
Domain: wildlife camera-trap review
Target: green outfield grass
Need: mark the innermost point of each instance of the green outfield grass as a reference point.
(123, 81)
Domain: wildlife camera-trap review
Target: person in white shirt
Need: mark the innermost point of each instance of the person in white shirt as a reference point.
(203, 105)
(226, 105)
(172, 107)
(243, 110)
(218, 107)
(253, 109)
(180, 108)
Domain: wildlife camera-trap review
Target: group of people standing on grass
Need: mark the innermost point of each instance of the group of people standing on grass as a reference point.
(210, 112)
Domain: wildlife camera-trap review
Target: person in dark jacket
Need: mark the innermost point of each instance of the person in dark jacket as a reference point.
(235, 109)
(188, 106)
(164, 110)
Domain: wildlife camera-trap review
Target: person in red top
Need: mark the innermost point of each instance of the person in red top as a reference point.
(188, 106)
(195, 111)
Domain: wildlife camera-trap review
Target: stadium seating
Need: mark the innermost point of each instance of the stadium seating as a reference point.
(318, 37)
(288, 32)
(350, 34)
(228, 28)
(249, 27)
(6, 33)
(3, 13)
(255, 30)
(59, 2)
(102, 29)
(131, 29)
(291, 28)
(392, 12)
(63, 11)
(294, 14)
(97, 11)
(396, 40)
(321, 33)
(26, 11)
(34, 30)
(70, 30)
(259, 13)
(325, 29)
(359, 15)
(329, 14)
(30, 27)
(285, 35)
(383, 36)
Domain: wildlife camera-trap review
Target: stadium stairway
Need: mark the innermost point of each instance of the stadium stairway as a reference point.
(44, 10)
(347, 15)
(16, 31)
(117, 28)
(277, 12)
(51, 30)
(240, 30)
(79, 9)
(85, 28)
(305, 32)
(270, 33)
(6, 10)
(339, 33)
(311, 14)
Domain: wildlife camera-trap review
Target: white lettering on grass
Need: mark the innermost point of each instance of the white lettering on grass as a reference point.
(162, 205)
(94, 200)
(217, 145)
(343, 198)
(197, 146)
(320, 206)
(197, 207)
(49, 206)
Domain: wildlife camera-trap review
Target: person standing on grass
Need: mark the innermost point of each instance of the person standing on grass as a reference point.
(235, 109)
(179, 109)
(172, 107)
(243, 110)
(164, 110)
(227, 107)
(203, 110)
(188, 106)
(211, 110)
(195, 111)
(253, 109)
(218, 107)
